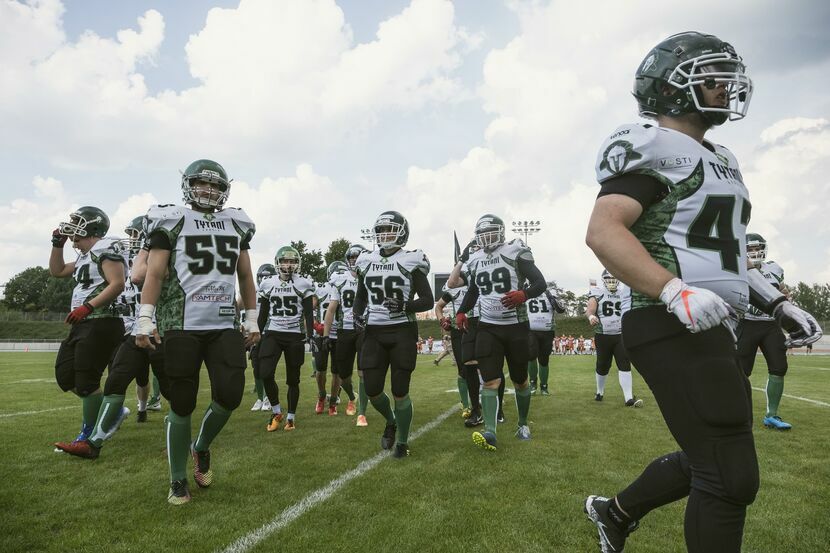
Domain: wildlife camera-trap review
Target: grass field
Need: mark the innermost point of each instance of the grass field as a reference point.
(282, 489)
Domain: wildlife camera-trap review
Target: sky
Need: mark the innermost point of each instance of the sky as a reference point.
(326, 113)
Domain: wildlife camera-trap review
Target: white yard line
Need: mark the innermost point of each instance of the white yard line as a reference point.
(803, 367)
(21, 413)
(28, 381)
(320, 495)
(808, 400)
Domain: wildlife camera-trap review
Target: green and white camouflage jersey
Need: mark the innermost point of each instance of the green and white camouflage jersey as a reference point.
(324, 297)
(200, 291)
(697, 230)
(89, 274)
(456, 296)
(774, 274)
(495, 273)
(285, 298)
(390, 277)
(540, 313)
(343, 291)
(126, 304)
(610, 307)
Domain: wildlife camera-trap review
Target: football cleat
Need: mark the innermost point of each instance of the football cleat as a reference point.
(634, 402)
(80, 448)
(85, 433)
(598, 397)
(400, 451)
(361, 421)
(274, 422)
(485, 440)
(202, 473)
(500, 416)
(776, 423)
(179, 493)
(523, 432)
(544, 390)
(141, 416)
(532, 386)
(332, 410)
(388, 438)
(266, 404)
(257, 405)
(154, 404)
(466, 412)
(321, 404)
(611, 538)
(289, 425)
(475, 419)
(351, 409)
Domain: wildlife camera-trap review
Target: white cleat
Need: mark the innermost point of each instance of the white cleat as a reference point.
(266, 405)
(257, 405)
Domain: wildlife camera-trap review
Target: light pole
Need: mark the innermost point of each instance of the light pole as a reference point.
(526, 228)
(368, 235)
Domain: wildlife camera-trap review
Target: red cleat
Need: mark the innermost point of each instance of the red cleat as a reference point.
(81, 448)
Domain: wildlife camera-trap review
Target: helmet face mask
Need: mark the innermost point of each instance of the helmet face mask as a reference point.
(489, 232)
(205, 185)
(611, 282)
(85, 222)
(391, 230)
(352, 254)
(287, 261)
(135, 234)
(756, 249)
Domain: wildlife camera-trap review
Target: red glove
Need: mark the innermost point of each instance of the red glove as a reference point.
(461, 322)
(79, 314)
(318, 327)
(446, 323)
(514, 298)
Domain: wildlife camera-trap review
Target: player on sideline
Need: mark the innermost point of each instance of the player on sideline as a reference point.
(541, 314)
(502, 277)
(389, 280)
(673, 203)
(607, 303)
(286, 313)
(196, 255)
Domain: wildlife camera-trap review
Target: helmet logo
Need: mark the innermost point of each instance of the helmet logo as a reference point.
(617, 156)
(650, 62)
(210, 173)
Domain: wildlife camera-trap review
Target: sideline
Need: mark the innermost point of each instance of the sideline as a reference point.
(21, 413)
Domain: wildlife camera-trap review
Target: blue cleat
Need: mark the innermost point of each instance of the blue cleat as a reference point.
(485, 440)
(776, 423)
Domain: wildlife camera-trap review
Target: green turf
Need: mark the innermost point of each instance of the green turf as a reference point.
(448, 496)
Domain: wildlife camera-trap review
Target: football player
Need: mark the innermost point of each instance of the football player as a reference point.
(287, 308)
(673, 204)
(99, 270)
(392, 286)
(197, 255)
(759, 330)
(445, 309)
(262, 403)
(607, 303)
(328, 348)
(541, 313)
(502, 277)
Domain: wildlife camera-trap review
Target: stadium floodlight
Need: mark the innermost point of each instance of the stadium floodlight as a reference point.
(526, 228)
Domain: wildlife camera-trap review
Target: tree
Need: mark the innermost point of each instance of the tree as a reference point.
(58, 294)
(312, 263)
(24, 291)
(337, 251)
(815, 299)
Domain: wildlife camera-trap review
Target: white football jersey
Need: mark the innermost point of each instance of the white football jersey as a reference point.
(200, 292)
(610, 307)
(324, 294)
(697, 231)
(89, 274)
(344, 291)
(285, 300)
(390, 277)
(774, 274)
(456, 298)
(540, 313)
(495, 273)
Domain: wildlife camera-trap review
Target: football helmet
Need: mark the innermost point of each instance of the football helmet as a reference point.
(135, 234)
(205, 184)
(610, 281)
(489, 232)
(288, 261)
(265, 270)
(86, 221)
(668, 80)
(391, 230)
(336, 267)
(756, 248)
(352, 254)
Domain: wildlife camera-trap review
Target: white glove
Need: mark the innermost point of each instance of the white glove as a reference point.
(801, 327)
(593, 320)
(146, 326)
(250, 325)
(698, 309)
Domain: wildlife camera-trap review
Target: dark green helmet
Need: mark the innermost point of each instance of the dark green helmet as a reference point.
(288, 261)
(756, 248)
(336, 267)
(668, 80)
(210, 172)
(135, 233)
(265, 270)
(489, 231)
(86, 221)
(353, 253)
(391, 230)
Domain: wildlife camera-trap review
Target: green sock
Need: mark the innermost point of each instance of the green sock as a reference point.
(464, 392)
(362, 398)
(259, 387)
(349, 389)
(91, 404)
(384, 407)
(178, 445)
(212, 423)
(523, 404)
(403, 414)
(532, 370)
(489, 408)
(156, 388)
(107, 416)
(544, 372)
(775, 389)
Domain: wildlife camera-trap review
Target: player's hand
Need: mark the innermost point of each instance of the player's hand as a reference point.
(698, 309)
(446, 323)
(250, 331)
(593, 320)
(461, 322)
(359, 322)
(318, 327)
(394, 305)
(313, 345)
(514, 298)
(465, 253)
(146, 328)
(802, 328)
(58, 239)
(78, 314)
(327, 343)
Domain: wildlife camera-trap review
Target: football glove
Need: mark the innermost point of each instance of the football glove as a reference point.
(593, 320)
(318, 327)
(446, 323)
(465, 253)
(394, 305)
(698, 309)
(327, 343)
(313, 345)
(801, 327)
(514, 298)
(461, 321)
(359, 322)
(58, 239)
(79, 313)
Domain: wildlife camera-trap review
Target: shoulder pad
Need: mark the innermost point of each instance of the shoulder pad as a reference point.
(241, 222)
(595, 292)
(363, 261)
(164, 217)
(628, 149)
(774, 269)
(417, 259)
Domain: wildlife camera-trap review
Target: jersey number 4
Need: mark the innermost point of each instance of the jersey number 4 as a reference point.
(716, 215)
(205, 256)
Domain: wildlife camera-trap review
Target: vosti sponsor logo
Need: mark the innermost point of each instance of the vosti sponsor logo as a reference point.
(675, 162)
